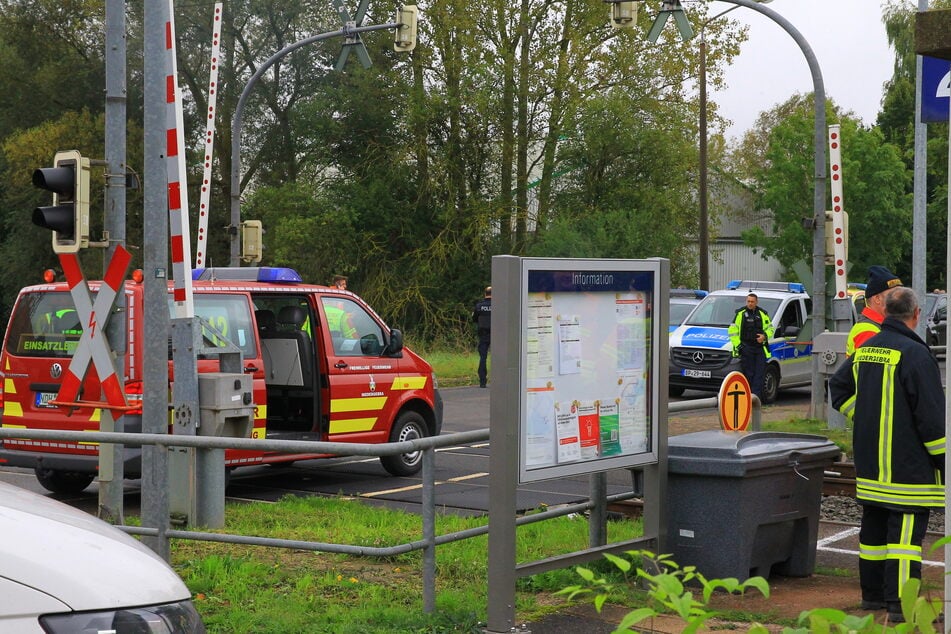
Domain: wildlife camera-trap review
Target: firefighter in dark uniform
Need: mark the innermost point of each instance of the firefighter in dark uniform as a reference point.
(750, 333)
(891, 389)
(482, 316)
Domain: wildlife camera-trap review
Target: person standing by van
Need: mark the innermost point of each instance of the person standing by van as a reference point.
(750, 333)
(482, 316)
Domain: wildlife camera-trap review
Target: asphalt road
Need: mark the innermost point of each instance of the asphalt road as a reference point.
(462, 472)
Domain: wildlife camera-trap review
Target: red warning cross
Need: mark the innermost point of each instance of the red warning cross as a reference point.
(93, 344)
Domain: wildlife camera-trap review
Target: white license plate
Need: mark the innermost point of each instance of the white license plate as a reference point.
(697, 374)
(43, 399)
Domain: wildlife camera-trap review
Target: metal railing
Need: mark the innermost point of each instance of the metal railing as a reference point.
(427, 543)
(428, 540)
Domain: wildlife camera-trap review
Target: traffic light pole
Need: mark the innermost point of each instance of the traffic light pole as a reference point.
(114, 226)
(234, 228)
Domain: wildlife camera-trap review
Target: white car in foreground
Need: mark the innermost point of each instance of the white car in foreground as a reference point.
(63, 570)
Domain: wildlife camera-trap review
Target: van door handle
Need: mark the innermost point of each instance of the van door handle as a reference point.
(251, 369)
(340, 365)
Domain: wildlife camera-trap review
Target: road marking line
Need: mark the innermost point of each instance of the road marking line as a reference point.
(413, 487)
(851, 532)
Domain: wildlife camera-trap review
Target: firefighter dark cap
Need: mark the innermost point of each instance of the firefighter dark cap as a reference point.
(880, 279)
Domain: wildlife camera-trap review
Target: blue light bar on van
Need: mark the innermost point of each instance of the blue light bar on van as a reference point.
(790, 287)
(249, 274)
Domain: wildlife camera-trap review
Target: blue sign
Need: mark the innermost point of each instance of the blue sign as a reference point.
(935, 79)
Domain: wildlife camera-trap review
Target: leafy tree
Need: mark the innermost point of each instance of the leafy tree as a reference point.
(874, 184)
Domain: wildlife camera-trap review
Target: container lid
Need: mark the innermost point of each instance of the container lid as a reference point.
(717, 452)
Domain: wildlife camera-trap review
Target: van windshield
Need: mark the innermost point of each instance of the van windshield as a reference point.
(44, 325)
(719, 310)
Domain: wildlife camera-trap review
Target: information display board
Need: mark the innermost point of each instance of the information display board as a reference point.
(588, 395)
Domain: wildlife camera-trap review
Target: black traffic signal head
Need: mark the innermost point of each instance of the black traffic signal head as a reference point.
(68, 216)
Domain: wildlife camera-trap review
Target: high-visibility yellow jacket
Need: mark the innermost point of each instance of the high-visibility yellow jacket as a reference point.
(867, 326)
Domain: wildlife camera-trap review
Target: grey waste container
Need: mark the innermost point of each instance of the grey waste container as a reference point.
(742, 504)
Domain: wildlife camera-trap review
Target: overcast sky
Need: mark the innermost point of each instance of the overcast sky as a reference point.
(847, 38)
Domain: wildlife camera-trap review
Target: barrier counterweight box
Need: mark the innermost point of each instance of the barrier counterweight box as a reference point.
(743, 504)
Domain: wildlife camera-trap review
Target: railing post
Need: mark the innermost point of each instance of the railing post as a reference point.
(429, 530)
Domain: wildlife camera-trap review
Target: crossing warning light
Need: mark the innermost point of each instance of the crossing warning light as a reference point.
(68, 216)
(406, 18)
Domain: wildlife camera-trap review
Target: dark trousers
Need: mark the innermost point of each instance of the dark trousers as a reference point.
(483, 355)
(889, 552)
(753, 365)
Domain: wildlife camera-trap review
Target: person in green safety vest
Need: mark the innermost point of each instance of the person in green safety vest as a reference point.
(750, 333)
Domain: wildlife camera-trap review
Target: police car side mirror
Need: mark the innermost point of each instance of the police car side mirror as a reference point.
(394, 347)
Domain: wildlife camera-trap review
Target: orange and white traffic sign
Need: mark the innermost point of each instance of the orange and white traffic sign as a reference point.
(736, 402)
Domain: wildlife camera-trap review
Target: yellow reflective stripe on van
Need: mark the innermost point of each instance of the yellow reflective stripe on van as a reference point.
(409, 383)
(11, 408)
(338, 405)
(9, 387)
(9, 426)
(350, 425)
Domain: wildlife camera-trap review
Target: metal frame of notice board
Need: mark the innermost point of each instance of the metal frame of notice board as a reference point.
(578, 386)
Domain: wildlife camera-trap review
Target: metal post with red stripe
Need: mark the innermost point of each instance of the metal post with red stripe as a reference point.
(94, 344)
(205, 199)
(839, 225)
(180, 242)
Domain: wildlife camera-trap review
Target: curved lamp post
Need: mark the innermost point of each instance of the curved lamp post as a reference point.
(672, 7)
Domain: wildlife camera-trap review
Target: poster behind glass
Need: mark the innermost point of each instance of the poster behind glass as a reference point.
(587, 366)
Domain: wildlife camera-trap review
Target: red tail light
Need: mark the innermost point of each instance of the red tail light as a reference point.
(133, 394)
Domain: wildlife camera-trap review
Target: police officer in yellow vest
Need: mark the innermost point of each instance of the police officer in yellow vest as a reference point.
(869, 323)
(750, 333)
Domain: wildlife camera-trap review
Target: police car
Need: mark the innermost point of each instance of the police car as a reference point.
(682, 301)
(700, 350)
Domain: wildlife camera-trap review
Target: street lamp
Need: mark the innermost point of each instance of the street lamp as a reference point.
(704, 241)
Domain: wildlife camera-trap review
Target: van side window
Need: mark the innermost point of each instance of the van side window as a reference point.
(352, 330)
(231, 316)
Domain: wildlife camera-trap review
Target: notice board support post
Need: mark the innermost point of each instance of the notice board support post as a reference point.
(503, 438)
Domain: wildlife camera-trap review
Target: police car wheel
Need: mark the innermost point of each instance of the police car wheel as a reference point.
(57, 481)
(770, 384)
(408, 426)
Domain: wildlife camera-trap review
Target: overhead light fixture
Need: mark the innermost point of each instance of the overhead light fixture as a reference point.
(623, 15)
(670, 8)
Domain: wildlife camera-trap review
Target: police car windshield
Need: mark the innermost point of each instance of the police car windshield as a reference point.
(719, 310)
(679, 311)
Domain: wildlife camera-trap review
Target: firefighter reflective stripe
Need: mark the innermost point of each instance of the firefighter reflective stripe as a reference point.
(848, 407)
(935, 447)
(905, 552)
(872, 553)
(885, 423)
(891, 493)
(351, 425)
(409, 383)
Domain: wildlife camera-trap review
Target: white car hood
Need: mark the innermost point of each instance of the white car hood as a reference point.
(76, 558)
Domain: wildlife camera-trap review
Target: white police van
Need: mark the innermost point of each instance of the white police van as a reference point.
(701, 354)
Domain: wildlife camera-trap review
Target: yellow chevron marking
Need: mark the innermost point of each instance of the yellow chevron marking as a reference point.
(409, 383)
(338, 405)
(351, 425)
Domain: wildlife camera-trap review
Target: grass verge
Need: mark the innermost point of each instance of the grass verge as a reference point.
(243, 589)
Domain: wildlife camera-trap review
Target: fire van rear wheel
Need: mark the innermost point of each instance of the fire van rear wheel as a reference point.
(409, 426)
(63, 481)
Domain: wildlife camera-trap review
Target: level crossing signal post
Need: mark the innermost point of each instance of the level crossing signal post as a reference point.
(68, 219)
